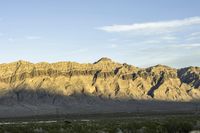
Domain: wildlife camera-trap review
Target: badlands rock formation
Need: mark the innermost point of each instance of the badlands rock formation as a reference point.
(28, 89)
(62, 82)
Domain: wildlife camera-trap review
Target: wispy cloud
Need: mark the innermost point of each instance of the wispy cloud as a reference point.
(11, 39)
(113, 40)
(160, 25)
(192, 45)
(1, 34)
(195, 34)
(33, 37)
(193, 38)
(160, 42)
(151, 42)
(113, 45)
(169, 38)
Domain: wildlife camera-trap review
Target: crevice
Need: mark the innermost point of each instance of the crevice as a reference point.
(117, 89)
(13, 77)
(158, 84)
(117, 70)
(95, 77)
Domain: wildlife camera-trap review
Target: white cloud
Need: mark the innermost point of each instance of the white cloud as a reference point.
(11, 39)
(151, 42)
(195, 34)
(32, 37)
(191, 45)
(193, 38)
(160, 25)
(112, 39)
(169, 38)
(113, 45)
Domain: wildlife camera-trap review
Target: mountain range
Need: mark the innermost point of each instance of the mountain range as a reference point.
(103, 86)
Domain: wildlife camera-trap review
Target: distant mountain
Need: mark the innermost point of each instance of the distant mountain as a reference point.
(72, 84)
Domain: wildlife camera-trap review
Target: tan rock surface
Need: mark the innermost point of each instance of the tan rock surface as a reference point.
(104, 78)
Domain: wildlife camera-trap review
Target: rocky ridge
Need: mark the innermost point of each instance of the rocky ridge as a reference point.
(103, 79)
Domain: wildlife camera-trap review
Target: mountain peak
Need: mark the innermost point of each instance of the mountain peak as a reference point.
(103, 60)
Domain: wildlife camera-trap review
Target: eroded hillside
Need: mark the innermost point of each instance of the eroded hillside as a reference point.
(104, 79)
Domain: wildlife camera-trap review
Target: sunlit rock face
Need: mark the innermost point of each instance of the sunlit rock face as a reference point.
(54, 83)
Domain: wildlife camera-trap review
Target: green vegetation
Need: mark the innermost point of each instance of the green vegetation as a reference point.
(148, 124)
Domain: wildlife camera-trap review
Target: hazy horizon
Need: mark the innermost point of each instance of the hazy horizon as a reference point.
(137, 32)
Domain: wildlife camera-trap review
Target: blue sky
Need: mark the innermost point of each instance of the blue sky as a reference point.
(139, 32)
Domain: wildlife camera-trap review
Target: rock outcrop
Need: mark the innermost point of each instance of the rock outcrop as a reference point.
(105, 78)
